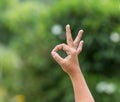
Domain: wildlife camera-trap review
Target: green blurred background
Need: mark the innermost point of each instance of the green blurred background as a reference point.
(29, 30)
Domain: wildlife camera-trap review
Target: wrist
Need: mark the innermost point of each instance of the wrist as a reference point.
(75, 73)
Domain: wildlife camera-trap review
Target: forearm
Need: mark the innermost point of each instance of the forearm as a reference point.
(81, 90)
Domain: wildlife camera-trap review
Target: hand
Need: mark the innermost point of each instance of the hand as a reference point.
(71, 66)
(70, 63)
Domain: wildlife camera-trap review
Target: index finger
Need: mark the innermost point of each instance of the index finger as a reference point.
(61, 47)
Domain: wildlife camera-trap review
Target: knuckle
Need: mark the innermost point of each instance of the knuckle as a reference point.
(63, 44)
(79, 51)
(63, 63)
(69, 39)
(56, 46)
(74, 52)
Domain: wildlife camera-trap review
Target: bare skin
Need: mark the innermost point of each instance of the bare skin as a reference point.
(70, 65)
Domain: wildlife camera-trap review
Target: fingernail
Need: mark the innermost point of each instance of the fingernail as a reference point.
(82, 41)
(68, 25)
(81, 31)
(53, 54)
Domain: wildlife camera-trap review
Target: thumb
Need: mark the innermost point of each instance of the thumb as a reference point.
(56, 57)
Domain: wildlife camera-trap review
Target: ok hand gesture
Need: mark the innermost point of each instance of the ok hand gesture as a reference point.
(70, 63)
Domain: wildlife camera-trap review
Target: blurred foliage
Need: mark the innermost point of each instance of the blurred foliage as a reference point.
(29, 29)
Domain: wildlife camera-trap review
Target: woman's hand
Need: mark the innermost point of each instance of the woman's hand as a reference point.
(70, 63)
(71, 66)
